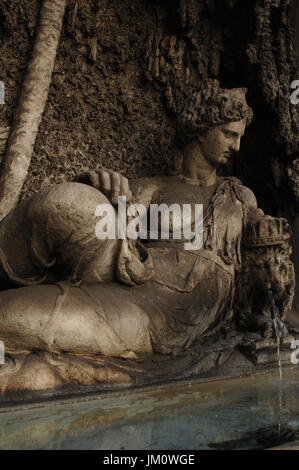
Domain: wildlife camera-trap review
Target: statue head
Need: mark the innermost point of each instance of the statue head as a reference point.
(209, 107)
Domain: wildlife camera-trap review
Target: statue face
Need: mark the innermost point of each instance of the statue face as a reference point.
(221, 141)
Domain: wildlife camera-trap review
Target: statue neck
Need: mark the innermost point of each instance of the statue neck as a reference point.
(196, 169)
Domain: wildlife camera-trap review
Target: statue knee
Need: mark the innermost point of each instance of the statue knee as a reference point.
(71, 213)
(24, 316)
(72, 200)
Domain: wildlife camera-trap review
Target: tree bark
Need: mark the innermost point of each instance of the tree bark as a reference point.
(31, 105)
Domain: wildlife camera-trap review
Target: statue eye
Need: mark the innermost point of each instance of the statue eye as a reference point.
(227, 134)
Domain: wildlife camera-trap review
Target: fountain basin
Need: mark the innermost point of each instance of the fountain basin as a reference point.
(258, 411)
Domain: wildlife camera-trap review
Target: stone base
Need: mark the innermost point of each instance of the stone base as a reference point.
(35, 376)
(265, 352)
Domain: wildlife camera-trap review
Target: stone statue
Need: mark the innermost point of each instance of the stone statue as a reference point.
(113, 312)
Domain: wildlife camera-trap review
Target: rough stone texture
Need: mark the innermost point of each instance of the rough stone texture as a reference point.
(124, 68)
(295, 26)
(101, 110)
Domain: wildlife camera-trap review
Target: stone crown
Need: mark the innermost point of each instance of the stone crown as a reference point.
(267, 231)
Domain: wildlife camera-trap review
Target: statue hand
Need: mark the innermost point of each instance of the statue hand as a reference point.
(110, 183)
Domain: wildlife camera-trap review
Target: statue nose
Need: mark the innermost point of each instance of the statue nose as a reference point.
(235, 145)
(274, 273)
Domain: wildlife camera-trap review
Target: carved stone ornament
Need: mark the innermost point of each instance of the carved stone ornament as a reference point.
(80, 313)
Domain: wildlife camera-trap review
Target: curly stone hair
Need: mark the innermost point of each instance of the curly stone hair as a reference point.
(209, 107)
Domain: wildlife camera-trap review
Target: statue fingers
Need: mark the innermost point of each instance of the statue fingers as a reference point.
(82, 177)
(94, 179)
(90, 178)
(111, 183)
(115, 187)
(124, 188)
(105, 181)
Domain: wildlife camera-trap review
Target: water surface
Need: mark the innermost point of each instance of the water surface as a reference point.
(251, 412)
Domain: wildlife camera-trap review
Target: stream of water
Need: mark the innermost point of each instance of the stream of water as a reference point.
(278, 327)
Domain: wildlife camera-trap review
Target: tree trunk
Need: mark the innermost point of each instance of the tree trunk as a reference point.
(31, 105)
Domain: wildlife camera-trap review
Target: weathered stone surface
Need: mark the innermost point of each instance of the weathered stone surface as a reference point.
(265, 352)
(122, 74)
(96, 312)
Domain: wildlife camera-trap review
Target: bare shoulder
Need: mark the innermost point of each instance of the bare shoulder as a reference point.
(247, 196)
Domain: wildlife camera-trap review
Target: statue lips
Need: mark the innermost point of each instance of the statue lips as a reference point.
(227, 156)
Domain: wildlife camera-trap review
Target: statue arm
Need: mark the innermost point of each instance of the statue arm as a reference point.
(113, 184)
(251, 210)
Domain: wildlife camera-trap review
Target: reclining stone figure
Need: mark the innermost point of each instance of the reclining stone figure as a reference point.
(70, 300)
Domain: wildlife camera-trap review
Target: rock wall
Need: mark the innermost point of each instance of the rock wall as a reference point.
(295, 27)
